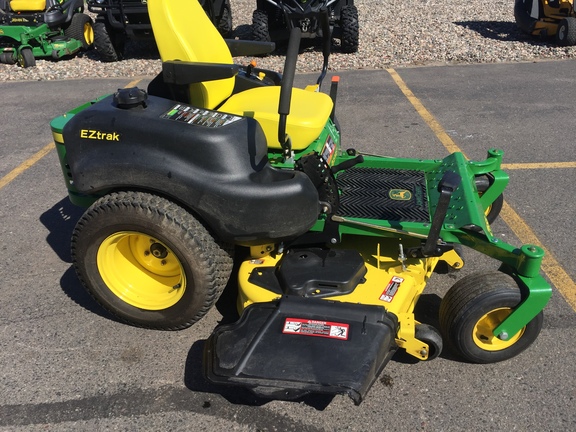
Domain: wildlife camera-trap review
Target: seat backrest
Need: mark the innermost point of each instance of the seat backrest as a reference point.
(184, 32)
(28, 5)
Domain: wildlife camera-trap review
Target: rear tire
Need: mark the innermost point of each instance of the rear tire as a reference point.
(26, 58)
(474, 307)
(81, 28)
(566, 33)
(148, 261)
(109, 45)
(350, 29)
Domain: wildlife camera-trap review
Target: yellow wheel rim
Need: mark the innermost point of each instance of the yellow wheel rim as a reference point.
(482, 333)
(88, 33)
(488, 210)
(141, 271)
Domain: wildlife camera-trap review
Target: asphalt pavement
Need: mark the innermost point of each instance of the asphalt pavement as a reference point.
(65, 364)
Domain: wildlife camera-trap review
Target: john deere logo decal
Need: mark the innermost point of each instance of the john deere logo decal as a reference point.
(400, 194)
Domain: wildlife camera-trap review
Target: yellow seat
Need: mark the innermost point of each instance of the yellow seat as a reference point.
(28, 5)
(196, 40)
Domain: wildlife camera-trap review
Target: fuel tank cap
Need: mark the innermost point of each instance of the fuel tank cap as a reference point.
(128, 98)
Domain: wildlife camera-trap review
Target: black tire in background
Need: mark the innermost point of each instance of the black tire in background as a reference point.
(8, 57)
(108, 44)
(81, 28)
(148, 261)
(224, 24)
(260, 29)
(350, 29)
(26, 58)
(566, 33)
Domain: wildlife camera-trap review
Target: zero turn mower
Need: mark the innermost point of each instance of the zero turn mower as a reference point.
(30, 29)
(217, 162)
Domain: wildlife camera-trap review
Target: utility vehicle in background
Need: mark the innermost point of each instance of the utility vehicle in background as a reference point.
(121, 20)
(273, 20)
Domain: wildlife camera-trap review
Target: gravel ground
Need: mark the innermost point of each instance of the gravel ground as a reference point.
(393, 33)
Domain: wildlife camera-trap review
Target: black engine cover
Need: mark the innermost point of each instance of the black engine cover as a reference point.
(213, 163)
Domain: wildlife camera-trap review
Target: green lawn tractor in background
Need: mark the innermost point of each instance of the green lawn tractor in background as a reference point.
(547, 18)
(31, 29)
(224, 173)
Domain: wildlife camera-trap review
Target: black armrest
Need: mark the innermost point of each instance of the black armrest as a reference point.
(177, 72)
(249, 48)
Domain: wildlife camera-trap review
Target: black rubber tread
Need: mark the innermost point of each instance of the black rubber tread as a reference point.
(26, 58)
(467, 301)
(224, 24)
(482, 184)
(566, 33)
(207, 263)
(431, 336)
(76, 29)
(7, 58)
(104, 44)
(350, 29)
(260, 29)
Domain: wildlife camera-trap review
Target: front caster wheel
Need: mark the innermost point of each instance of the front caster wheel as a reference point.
(26, 58)
(148, 261)
(474, 307)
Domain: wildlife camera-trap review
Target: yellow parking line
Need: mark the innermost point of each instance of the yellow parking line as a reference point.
(539, 165)
(133, 83)
(8, 178)
(25, 165)
(425, 114)
(550, 266)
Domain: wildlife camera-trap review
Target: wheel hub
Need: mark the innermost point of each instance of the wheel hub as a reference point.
(158, 250)
(141, 271)
(483, 331)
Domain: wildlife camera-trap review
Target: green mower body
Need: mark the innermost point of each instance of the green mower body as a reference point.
(378, 249)
(333, 248)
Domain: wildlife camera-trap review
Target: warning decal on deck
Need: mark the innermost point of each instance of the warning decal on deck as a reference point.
(307, 327)
(391, 289)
